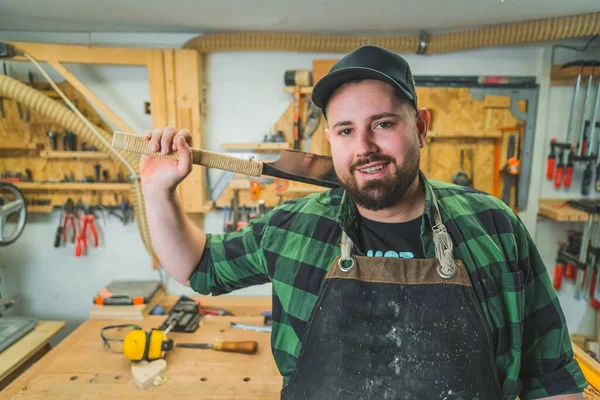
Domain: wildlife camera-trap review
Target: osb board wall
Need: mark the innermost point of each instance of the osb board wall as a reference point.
(16, 131)
(458, 122)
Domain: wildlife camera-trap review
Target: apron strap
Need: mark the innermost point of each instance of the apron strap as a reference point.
(441, 239)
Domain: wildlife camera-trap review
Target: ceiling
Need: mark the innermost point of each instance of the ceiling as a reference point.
(325, 16)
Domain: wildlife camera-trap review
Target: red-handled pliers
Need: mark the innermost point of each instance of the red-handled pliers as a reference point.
(69, 217)
(88, 220)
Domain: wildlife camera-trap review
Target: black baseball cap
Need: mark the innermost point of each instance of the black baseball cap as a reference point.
(367, 62)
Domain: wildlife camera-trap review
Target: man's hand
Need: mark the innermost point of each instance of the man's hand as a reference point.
(158, 174)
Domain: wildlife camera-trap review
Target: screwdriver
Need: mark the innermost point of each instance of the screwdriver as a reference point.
(249, 347)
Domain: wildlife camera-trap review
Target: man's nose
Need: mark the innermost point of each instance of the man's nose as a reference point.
(365, 143)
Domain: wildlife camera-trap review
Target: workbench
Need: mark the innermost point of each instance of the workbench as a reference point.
(27, 350)
(80, 367)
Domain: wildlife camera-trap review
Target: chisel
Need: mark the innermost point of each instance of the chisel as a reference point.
(248, 347)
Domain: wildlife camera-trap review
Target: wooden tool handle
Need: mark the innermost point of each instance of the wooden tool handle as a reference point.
(136, 144)
(249, 347)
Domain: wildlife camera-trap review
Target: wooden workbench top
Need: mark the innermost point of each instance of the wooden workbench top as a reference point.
(28, 347)
(80, 368)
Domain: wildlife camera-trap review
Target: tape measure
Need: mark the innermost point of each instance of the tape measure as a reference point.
(139, 345)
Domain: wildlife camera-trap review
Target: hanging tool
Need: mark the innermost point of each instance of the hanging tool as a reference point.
(2, 112)
(559, 170)
(510, 169)
(310, 125)
(583, 253)
(551, 160)
(52, 136)
(69, 208)
(58, 236)
(247, 347)
(569, 170)
(297, 79)
(293, 165)
(586, 180)
(88, 220)
(296, 135)
(461, 177)
(582, 139)
(571, 115)
(558, 276)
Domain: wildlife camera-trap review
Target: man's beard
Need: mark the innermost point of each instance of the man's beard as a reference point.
(379, 194)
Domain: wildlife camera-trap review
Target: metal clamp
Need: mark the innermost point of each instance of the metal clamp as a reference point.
(424, 42)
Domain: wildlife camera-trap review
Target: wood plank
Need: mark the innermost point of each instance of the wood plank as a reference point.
(73, 186)
(84, 54)
(158, 99)
(170, 89)
(18, 146)
(496, 102)
(74, 154)
(258, 146)
(18, 353)
(560, 76)
(560, 211)
(321, 68)
(91, 97)
(187, 87)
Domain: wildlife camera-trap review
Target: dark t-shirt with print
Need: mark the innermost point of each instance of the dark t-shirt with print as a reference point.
(398, 240)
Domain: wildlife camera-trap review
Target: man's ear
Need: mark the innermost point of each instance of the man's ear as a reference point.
(423, 119)
(327, 134)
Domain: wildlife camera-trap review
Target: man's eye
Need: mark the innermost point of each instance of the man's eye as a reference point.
(384, 124)
(345, 131)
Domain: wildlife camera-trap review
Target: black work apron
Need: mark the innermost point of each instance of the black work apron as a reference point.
(392, 328)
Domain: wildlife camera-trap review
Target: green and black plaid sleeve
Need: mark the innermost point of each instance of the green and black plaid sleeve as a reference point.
(232, 261)
(547, 364)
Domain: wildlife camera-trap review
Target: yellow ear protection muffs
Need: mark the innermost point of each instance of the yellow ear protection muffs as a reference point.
(139, 345)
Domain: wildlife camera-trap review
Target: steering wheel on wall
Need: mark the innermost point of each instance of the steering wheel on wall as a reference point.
(10, 205)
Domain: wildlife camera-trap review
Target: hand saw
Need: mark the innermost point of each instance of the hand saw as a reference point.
(292, 164)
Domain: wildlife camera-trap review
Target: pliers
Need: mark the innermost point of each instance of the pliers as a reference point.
(69, 217)
(87, 219)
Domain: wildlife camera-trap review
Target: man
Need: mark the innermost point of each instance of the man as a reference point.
(392, 286)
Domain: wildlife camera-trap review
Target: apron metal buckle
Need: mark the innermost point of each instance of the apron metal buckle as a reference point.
(446, 272)
(341, 264)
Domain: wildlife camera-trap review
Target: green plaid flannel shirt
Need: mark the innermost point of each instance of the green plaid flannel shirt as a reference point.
(294, 245)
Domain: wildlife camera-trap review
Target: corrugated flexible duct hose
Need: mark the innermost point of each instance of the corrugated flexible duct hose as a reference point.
(46, 106)
(558, 28)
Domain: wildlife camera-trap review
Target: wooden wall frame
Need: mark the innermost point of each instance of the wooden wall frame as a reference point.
(176, 82)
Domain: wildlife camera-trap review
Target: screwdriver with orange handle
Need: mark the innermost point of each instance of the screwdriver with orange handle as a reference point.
(245, 347)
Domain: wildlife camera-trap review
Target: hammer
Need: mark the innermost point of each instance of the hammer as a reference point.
(297, 78)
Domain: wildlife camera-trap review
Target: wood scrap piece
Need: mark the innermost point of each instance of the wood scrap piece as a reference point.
(144, 372)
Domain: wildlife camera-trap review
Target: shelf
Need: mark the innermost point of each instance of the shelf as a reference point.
(493, 134)
(17, 146)
(258, 146)
(73, 186)
(74, 154)
(560, 76)
(558, 210)
(40, 209)
(303, 89)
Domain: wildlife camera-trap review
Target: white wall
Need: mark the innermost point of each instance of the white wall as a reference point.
(245, 97)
